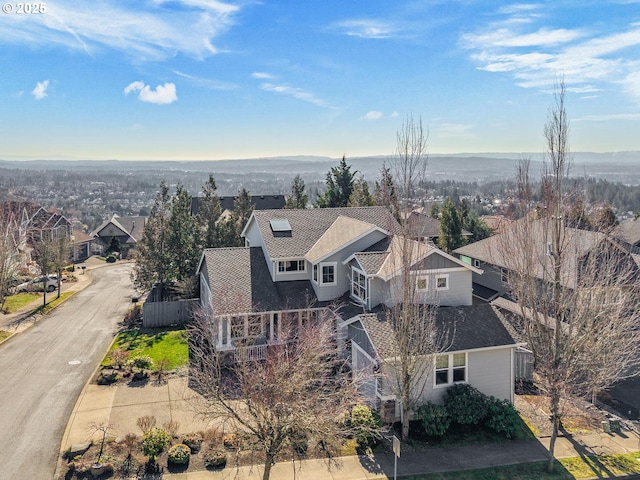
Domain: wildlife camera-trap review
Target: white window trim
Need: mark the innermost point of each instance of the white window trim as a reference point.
(315, 271)
(476, 263)
(283, 261)
(321, 265)
(450, 369)
(437, 277)
(366, 287)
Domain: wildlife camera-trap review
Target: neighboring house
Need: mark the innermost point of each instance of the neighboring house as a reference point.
(120, 232)
(260, 202)
(496, 223)
(628, 231)
(81, 245)
(489, 255)
(346, 262)
(33, 224)
(424, 228)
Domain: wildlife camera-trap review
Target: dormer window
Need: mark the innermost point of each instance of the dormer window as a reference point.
(286, 266)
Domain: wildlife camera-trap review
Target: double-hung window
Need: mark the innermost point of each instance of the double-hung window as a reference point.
(328, 274)
(358, 285)
(450, 369)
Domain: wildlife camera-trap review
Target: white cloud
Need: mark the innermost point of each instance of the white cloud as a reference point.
(296, 93)
(394, 115)
(162, 95)
(372, 115)
(262, 76)
(40, 91)
(366, 28)
(606, 118)
(206, 82)
(535, 56)
(188, 27)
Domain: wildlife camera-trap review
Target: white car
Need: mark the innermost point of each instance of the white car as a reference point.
(35, 285)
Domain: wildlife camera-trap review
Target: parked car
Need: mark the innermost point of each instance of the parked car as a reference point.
(35, 285)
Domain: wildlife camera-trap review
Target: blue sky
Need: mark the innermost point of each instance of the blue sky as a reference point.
(206, 79)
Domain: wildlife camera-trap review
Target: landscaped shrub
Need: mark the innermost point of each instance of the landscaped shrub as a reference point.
(111, 258)
(502, 417)
(141, 363)
(365, 423)
(193, 441)
(230, 441)
(434, 418)
(299, 442)
(119, 358)
(146, 423)
(179, 454)
(154, 441)
(215, 458)
(465, 404)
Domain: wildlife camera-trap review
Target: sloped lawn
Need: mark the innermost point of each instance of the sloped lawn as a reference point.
(15, 302)
(156, 343)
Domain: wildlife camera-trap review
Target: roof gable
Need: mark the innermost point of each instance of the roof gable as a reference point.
(308, 225)
(342, 232)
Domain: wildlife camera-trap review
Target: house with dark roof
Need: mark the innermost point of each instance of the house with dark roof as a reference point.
(425, 228)
(346, 262)
(120, 232)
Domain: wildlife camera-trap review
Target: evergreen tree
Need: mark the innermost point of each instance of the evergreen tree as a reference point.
(450, 236)
(384, 193)
(477, 227)
(339, 186)
(232, 227)
(182, 239)
(152, 254)
(434, 211)
(209, 211)
(298, 198)
(605, 218)
(360, 196)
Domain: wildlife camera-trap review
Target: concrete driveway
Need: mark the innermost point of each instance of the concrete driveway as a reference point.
(44, 368)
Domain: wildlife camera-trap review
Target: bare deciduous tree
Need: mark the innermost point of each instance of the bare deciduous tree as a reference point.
(300, 390)
(412, 315)
(9, 255)
(576, 291)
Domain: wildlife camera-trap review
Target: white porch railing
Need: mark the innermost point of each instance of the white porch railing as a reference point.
(250, 353)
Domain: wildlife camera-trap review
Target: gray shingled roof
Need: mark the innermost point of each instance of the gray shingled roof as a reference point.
(473, 327)
(308, 225)
(629, 231)
(240, 282)
(496, 250)
(371, 262)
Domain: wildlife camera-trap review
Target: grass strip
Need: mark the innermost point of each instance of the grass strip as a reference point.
(4, 335)
(156, 343)
(15, 302)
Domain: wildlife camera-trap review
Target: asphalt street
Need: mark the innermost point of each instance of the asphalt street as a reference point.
(43, 371)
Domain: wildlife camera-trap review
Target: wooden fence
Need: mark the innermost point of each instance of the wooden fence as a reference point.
(164, 314)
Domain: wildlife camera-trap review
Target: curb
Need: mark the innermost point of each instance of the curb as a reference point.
(74, 412)
(37, 316)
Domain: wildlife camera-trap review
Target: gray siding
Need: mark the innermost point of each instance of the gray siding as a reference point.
(255, 240)
(435, 261)
(491, 278)
(378, 291)
(490, 371)
(343, 272)
(459, 292)
(357, 334)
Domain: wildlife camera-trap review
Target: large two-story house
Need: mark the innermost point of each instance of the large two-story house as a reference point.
(347, 261)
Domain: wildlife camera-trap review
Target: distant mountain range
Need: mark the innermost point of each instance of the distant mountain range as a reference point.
(482, 167)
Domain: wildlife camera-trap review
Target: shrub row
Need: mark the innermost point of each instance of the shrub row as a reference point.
(466, 405)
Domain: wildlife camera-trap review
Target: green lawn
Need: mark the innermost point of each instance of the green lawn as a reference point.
(158, 344)
(4, 335)
(53, 301)
(15, 302)
(603, 466)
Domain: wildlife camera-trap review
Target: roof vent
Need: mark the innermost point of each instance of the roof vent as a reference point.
(280, 225)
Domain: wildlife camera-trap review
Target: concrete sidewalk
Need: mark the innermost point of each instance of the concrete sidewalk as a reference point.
(121, 405)
(22, 319)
